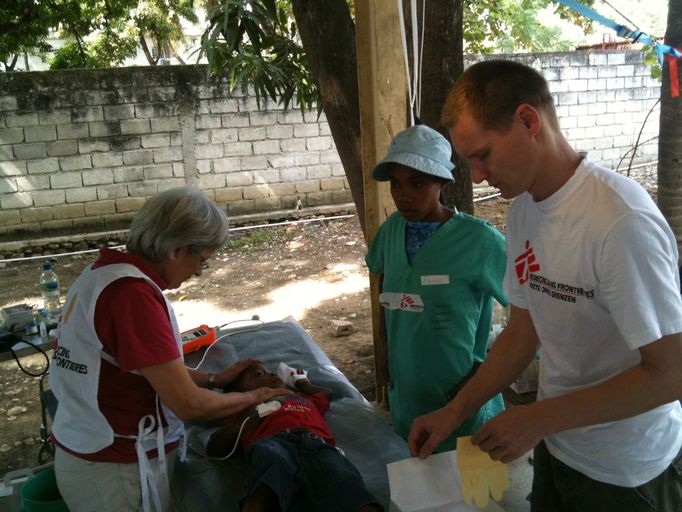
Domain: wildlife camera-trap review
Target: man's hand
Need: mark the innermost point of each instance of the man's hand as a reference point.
(511, 433)
(430, 430)
(230, 373)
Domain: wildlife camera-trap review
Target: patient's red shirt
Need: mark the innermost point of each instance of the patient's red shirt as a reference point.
(297, 411)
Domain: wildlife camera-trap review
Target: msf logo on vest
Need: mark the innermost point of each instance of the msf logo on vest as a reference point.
(525, 264)
(62, 358)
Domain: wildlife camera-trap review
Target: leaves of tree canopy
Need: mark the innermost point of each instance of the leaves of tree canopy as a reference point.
(256, 41)
(24, 25)
(118, 24)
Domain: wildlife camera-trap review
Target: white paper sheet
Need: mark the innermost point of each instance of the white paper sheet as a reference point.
(430, 485)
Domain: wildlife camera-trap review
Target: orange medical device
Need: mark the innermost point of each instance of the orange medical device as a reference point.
(196, 338)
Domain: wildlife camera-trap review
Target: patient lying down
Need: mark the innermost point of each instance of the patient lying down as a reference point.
(292, 462)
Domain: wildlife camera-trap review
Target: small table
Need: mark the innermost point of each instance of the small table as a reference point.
(22, 348)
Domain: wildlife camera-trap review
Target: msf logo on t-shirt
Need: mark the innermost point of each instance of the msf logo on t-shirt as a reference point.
(525, 264)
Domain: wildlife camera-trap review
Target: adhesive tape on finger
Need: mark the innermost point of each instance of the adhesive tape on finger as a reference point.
(290, 375)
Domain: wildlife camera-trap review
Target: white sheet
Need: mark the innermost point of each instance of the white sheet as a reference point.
(430, 485)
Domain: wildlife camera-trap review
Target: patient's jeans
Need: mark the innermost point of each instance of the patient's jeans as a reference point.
(306, 474)
(560, 488)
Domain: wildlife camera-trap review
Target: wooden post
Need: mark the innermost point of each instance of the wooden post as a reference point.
(383, 108)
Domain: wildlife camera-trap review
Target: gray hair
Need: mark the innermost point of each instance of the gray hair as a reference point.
(175, 218)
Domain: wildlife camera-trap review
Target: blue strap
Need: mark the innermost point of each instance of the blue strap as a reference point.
(622, 30)
(590, 13)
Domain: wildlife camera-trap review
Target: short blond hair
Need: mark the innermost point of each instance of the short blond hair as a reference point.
(491, 90)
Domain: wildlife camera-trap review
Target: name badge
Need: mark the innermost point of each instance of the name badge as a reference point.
(431, 280)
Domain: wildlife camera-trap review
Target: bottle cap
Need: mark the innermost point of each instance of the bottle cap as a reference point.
(47, 266)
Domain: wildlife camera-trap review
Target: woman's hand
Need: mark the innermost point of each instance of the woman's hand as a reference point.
(230, 373)
(261, 395)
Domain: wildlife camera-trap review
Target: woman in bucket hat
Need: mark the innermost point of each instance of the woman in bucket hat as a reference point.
(441, 270)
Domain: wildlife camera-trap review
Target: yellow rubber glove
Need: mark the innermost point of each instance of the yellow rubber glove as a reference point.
(481, 476)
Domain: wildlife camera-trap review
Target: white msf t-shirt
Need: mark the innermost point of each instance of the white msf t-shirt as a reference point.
(595, 264)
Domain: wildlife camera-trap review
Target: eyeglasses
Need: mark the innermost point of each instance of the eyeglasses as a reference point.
(204, 263)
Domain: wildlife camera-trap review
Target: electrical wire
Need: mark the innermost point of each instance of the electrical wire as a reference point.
(242, 228)
(38, 349)
(486, 198)
(639, 136)
(234, 448)
(254, 318)
(293, 222)
(46, 448)
(621, 14)
(414, 87)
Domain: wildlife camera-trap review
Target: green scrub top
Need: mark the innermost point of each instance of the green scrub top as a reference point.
(438, 314)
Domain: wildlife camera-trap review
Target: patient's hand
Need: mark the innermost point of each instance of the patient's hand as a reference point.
(291, 375)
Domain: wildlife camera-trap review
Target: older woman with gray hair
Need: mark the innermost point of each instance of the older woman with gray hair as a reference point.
(117, 369)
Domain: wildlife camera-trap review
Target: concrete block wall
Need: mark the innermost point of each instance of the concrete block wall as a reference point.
(81, 150)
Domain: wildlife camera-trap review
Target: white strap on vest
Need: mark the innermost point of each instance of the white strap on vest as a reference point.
(149, 428)
(148, 480)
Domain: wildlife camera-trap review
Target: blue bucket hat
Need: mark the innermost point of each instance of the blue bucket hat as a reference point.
(421, 148)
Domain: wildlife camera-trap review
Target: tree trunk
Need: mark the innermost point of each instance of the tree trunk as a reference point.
(145, 50)
(10, 67)
(333, 61)
(176, 54)
(670, 137)
(328, 35)
(442, 63)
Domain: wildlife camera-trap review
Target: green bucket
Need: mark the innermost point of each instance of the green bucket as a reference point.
(40, 493)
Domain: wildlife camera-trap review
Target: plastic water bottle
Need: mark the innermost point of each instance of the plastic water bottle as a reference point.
(50, 291)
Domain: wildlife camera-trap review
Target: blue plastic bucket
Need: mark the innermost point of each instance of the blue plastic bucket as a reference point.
(40, 493)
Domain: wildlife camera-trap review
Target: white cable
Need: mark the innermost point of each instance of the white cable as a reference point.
(486, 198)
(293, 222)
(421, 60)
(50, 256)
(241, 228)
(234, 448)
(258, 326)
(413, 82)
(403, 39)
(415, 55)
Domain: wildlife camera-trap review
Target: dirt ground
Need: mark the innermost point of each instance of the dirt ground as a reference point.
(312, 271)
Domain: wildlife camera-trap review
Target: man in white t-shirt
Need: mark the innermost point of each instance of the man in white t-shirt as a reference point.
(592, 278)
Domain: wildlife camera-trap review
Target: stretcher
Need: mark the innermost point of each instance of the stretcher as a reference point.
(200, 483)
